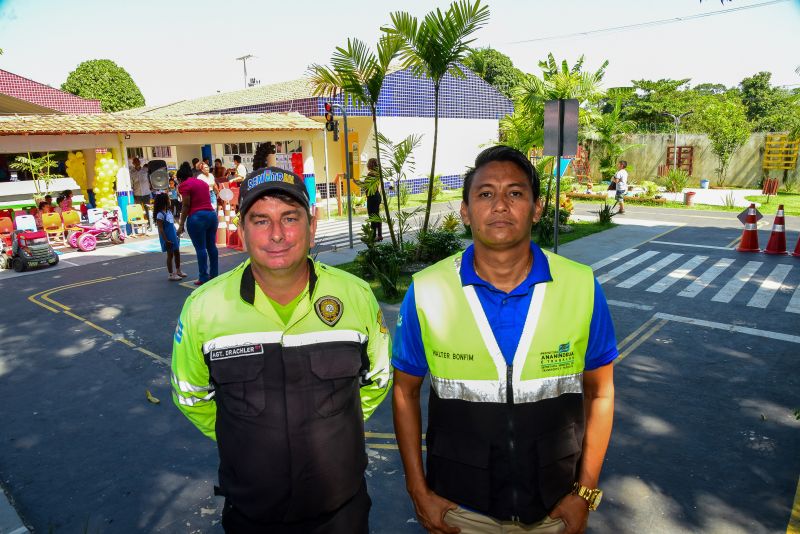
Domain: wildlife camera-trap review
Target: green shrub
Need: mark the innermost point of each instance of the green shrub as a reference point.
(403, 191)
(450, 222)
(676, 180)
(383, 262)
(437, 187)
(604, 214)
(650, 188)
(435, 245)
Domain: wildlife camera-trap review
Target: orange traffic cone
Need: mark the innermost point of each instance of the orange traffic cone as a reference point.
(222, 226)
(796, 252)
(749, 241)
(777, 239)
(234, 242)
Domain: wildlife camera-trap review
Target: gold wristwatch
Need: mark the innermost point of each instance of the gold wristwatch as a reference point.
(591, 496)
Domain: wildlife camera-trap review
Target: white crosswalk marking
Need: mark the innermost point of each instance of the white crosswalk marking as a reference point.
(794, 303)
(770, 286)
(611, 259)
(630, 264)
(702, 281)
(650, 271)
(677, 274)
(736, 283)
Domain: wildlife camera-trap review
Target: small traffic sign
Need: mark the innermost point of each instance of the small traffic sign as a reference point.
(743, 216)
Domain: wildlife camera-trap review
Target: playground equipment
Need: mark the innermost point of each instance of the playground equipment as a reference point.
(86, 236)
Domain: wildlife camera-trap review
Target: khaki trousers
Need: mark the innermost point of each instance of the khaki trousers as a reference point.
(475, 523)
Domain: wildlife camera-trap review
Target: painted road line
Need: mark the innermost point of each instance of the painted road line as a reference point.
(770, 286)
(379, 435)
(644, 337)
(611, 259)
(688, 245)
(632, 305)
(794, 302)
(650, 271)
(667, 282)
(703, 281)
(735, 243)
(662, 234)
(635, 334)
(630, 264)
(780, 336)
(156, 357)
(736, 283)
(794, 519)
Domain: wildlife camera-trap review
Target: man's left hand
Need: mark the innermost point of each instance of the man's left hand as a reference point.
(574, 511)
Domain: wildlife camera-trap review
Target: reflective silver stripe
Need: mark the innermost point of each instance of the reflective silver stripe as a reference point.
(470, 390)
(237, 340)
(779, 214)
(329, 336)
(778, 228)
(547, 388)
(750, 226)
(486, 333)
(525, 340)
(187, 387)
(191, 401)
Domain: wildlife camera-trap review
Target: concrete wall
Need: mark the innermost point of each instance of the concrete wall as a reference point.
(744, 169)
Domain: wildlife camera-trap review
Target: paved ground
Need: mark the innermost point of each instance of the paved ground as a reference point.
(704, 438)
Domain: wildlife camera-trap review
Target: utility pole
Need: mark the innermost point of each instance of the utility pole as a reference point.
(244, 59)
(677, 119)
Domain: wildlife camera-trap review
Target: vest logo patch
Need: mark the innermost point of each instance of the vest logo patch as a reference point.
(382, 323)
(329, 309)
(560, 360)
(236, 352)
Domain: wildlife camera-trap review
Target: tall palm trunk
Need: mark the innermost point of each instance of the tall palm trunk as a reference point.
(380, 177)
(433, 158)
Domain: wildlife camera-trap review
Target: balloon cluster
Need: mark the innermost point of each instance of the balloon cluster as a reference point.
(105, 172)
(76, 169)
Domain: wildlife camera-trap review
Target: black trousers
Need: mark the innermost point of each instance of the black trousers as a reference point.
(351, 518)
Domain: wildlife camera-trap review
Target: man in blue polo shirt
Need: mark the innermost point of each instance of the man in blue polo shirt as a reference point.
(519, 344)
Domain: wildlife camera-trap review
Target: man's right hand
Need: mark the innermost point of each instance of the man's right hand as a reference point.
(431, 510)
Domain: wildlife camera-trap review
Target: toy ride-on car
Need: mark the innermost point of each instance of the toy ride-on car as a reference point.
(28, 250)
(85, 238)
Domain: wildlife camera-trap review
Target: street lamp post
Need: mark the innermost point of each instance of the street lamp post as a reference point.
(677, 119)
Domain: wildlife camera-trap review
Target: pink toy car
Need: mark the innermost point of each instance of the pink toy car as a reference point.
(107, 227)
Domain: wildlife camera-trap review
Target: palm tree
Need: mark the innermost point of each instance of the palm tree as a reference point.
(433, 48)
(608, 131)
(359, 73)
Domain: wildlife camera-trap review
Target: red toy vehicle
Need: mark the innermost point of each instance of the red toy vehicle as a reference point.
(86, 238)
(27, 250)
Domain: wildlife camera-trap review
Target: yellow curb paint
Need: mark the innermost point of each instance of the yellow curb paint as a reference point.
(379, 435)
(734, 243)
(794, 519)
(632, 336)
(153, 355)
(633, 346)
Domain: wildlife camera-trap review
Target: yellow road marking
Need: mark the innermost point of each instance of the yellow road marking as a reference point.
(794, 520)
(380, 435)
(734, 243)
(681, 225)
(632, 336)
(153, 355)
(633, 346)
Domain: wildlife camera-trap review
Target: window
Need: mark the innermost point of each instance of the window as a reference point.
(162, 151)
(136, 152)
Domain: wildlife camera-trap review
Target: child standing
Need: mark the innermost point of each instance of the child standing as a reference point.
(175, 199)
(165, 221)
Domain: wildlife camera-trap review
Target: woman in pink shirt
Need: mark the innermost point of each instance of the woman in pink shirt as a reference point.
(200, 220)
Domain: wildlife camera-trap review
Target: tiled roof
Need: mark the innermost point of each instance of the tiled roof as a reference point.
(276, 92)
(116, 123)
(45, 96)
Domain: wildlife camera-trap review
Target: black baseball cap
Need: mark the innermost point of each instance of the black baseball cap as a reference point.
(261, 181)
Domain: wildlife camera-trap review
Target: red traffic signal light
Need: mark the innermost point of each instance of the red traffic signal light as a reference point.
(330, 119)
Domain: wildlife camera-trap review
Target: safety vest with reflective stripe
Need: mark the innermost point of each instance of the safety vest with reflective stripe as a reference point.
(495, 429)
(285, 402)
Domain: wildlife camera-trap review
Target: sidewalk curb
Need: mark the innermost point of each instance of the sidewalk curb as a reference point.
(10, 521)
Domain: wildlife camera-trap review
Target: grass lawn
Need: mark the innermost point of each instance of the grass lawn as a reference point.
(790, 201)
(580, 229)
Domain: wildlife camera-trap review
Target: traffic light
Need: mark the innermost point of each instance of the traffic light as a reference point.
(329, 117)
(335, 130)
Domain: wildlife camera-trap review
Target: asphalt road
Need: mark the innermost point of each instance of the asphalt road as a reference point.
(704, 438)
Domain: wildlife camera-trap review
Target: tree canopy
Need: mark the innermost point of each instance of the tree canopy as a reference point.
(495, 68)
(104, 80)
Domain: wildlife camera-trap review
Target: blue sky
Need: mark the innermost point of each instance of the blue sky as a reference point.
(179, 49)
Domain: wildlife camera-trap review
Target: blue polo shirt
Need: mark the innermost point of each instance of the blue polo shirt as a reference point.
(506, 313)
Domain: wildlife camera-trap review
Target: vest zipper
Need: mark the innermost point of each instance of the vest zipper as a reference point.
(511, 442)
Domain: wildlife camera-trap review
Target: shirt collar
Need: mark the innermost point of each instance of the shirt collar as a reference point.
(540, 270)
(247, 285)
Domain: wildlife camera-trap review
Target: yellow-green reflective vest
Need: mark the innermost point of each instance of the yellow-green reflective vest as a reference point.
(505, 440)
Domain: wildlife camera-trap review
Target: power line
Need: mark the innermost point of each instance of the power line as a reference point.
(649, 24)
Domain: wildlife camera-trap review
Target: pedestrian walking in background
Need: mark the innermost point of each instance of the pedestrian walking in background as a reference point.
(199, 218)
(374, 201)
(620, 181)
(170, 243)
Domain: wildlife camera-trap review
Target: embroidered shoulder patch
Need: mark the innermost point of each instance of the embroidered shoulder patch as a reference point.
(329, 309)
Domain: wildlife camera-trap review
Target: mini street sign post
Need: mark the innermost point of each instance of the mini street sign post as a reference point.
(743, 216)
(560, 140)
